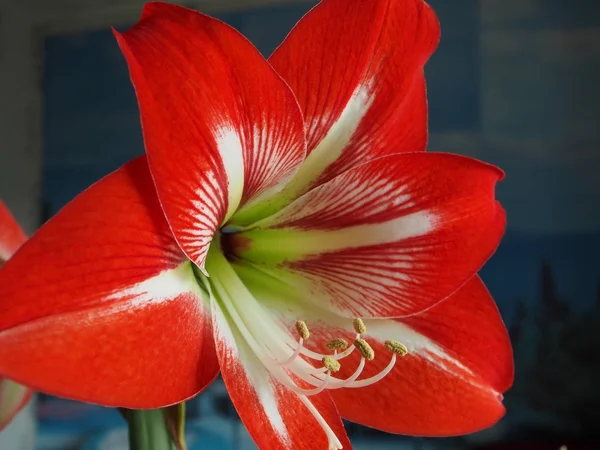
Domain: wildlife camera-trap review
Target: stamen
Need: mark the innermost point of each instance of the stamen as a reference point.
(316, 370)
(359, 326)
(365, 349)
(375, 378)
(317, 356)
(309, 392)
(347, 382)
(294, 355)
(302, 329)
(348, 351)
(331, 363)
(337, 344)
(396, 347)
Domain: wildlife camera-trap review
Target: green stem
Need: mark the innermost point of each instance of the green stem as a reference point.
(148, 430)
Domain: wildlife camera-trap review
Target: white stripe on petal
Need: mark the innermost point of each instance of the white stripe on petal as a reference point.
(258, 378)
(165, 286)
(336, 140)
(168, 286)
(230, 147)
(420, 345)
(294, 244)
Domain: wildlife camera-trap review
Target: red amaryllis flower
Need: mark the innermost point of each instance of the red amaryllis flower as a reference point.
(13, 396)
(285, 228)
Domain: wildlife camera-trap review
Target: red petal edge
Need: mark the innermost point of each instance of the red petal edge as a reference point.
(11, 234)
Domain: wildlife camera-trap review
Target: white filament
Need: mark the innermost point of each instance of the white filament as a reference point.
(315, 391)
(334, 442)
(348, 382)
(375, 378)
(294, 355)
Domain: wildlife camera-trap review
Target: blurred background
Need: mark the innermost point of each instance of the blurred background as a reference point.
(514, 82)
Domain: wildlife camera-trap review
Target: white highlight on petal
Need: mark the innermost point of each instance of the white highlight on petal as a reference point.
(253, 369)
(337, 139)
(266, 395)
(230, 146)
(421, 346)
(412, 225)
(165, 286)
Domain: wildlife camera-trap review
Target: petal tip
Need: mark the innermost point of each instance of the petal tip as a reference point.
(121, 40)
(202, 268)
(501, 173)
(9, 411)
(117, 34)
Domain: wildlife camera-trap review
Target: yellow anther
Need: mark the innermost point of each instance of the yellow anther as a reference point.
(302, 329)
(337, 344)
(359, 326)
(396, 347)
(331, 364)
(365, 349)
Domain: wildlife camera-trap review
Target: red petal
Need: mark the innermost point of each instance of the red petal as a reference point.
(102, 306)
(11, 234)
(450, 383)
(221, 128)
(389, 238)
(357, 71)
(13, 397)
(274, 416)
